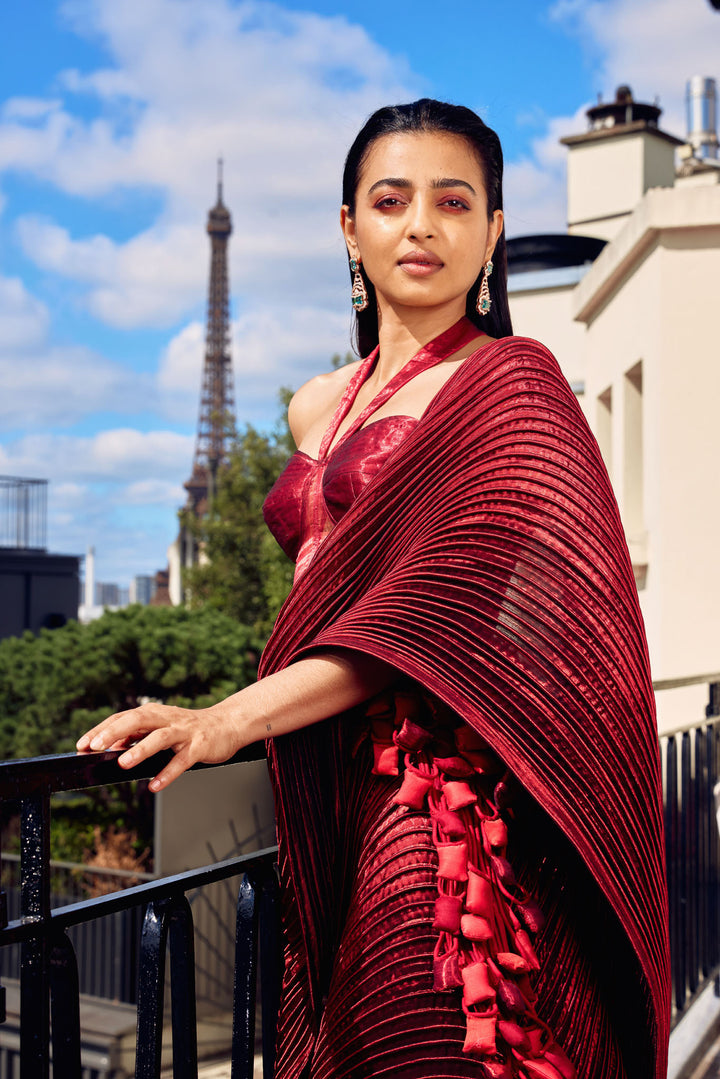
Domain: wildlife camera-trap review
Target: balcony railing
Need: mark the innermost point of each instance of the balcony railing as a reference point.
(49, 991)
(691, 769)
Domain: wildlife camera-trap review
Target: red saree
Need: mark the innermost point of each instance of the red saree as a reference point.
(486, 561)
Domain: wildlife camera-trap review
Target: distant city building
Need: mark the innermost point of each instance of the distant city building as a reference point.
(142, 589)
(627, 302)
(101, 595)
(107, 595)
(161, 597)
(39, 590)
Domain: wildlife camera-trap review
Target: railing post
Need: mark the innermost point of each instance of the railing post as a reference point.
(35, 953)
(246, 948)
(3, 924)
(65, 1008)
(165, 916)
(270, 969)
(182, 990)
(714, 898)
(151, 986)
(703, 787)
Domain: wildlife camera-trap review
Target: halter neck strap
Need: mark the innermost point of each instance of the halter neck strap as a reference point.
(442, 346)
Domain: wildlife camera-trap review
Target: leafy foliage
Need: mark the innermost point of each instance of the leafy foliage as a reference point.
(55, 685)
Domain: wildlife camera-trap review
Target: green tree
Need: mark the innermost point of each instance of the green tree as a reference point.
(56, 684)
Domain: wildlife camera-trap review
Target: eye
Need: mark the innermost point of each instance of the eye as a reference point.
(455, 203)
(389, 202)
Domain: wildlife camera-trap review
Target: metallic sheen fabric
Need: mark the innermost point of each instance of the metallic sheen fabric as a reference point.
(486, 562)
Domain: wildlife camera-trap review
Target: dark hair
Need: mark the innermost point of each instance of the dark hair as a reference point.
(429, 115)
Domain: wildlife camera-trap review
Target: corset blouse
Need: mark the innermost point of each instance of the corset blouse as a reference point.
(312, 494)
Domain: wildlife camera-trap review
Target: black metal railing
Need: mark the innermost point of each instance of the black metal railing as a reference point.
(49, 988)
(691, 769)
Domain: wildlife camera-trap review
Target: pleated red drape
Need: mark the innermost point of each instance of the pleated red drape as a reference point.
(487, 561)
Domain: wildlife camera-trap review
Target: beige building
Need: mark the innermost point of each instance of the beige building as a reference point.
(634, 329)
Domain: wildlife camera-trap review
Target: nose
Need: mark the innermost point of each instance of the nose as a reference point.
(419, 221)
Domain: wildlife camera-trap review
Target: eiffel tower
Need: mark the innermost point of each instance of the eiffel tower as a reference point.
(217, 405)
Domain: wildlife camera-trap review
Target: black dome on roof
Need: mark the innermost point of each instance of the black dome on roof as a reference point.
(551, 251)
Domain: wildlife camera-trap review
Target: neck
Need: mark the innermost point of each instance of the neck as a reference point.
(404, 331)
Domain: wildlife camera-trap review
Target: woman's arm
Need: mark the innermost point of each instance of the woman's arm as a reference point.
(312, 689)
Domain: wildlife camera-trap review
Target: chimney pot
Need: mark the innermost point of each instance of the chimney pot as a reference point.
(701, 102)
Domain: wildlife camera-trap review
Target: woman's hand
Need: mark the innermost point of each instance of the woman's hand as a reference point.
(210, 735)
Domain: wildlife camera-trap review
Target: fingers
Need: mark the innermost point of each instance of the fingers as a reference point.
(95, 738)
(174, 768)
(152, 743)
(83, 742)
(184, 757)
(117, 730)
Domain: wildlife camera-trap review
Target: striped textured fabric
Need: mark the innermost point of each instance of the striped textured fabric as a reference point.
(487, 563)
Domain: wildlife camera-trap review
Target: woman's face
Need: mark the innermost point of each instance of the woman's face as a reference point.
(420, 223)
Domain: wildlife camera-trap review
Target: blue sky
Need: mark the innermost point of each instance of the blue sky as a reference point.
(112, 116)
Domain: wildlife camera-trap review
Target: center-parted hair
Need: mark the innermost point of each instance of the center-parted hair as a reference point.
(427, 115)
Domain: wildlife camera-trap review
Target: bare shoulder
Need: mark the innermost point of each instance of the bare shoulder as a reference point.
(316, 398)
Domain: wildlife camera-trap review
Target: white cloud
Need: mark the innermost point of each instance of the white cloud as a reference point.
(149, 280)
(115, 456)
(535, 186)
(181, 363)
(67, 502)
(44, 384)
(279, 94)
(29, 108)
(273, 351)
(60, 385)
(24, 319)
(154, 492)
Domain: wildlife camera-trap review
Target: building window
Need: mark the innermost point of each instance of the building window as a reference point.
(603, 427)
(633, 452)
(633, 470)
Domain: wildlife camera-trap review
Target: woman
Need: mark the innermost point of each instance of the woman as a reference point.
(456, 693)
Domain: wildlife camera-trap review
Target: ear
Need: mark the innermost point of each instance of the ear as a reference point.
(494, 231)
(347, 224)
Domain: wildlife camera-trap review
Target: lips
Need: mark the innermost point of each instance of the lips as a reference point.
(419, 264)
(420, 258)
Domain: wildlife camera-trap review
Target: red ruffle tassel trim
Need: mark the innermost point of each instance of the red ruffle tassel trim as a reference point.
(485, 921)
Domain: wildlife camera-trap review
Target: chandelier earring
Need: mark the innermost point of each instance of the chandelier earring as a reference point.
(358, 296)
(483, 301)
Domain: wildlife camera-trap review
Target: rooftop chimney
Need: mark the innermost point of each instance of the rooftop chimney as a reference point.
(701, 103)
(612, 164)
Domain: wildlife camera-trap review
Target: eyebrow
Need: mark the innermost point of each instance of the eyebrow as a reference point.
(441, 184)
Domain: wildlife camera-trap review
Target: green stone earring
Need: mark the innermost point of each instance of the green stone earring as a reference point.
(483, 301)
(358, 296)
